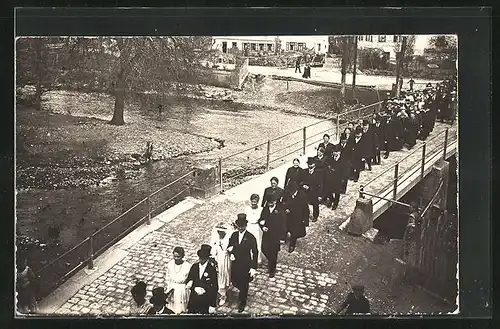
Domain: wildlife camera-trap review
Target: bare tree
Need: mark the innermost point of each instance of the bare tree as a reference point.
(345, 55)
(408, 52)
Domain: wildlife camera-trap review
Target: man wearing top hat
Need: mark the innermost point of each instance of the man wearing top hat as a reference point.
(378, 137)
(339, 174)
(273, 225)
(368, 143)
(312, 183)
(159, 302)
(243, 249)
(358, 154)
(202, 282)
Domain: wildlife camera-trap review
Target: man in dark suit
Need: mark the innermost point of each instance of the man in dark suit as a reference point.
(296, 212)
(312, 183)
(368, 144)
(339, 175)
(243, 249)
(326, 146)
(358, 154)
(378, 139)
(202, 281)
(321, 165)
(272, 223)
(344, 147)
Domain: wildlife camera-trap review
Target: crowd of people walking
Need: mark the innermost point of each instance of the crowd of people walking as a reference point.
(258, 233)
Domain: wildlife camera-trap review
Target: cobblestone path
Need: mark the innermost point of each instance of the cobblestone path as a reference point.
(313, 279)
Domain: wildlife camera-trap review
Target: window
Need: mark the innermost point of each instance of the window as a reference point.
(254, 46)
(245, 46)
(292, 46)
(369, 38)
(235, 45)
(396, 38)
(381, 38)
(360, 38)
(261, 46)
(300, 46)
(269, 47)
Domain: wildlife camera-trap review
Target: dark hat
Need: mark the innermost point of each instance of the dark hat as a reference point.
(336, 148)
(273, 197)
(254, 196)
(310, 160)
(358, 288)
(204, 251)
(358, 130)
(366, 122)
(343, 136)
(139, 286)
(159, 296)
(241, 220)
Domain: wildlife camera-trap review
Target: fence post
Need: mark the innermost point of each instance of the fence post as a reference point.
(90, 265)
(423, 162)
(395, 190)
(220, 175)
(338, 127)
(445, 143)
(304, 140)
(148, 201)
(268, 154)
(361, 189)
(287, 85)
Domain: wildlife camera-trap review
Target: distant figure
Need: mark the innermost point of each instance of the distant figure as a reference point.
(149, 151)
(27, 285)
(411, 83)
(355, 302)
(297, 65)
(307, 71)
(160, 109)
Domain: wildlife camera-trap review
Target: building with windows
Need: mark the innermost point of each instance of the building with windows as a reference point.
(387, 43)
(318, 44)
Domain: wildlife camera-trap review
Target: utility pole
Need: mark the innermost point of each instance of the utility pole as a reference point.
(344, 66)
(399, 65)
(354, 66)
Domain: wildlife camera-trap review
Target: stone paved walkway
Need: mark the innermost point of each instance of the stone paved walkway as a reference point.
(313, 279)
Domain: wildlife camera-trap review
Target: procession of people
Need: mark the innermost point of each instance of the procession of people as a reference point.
(238, 248)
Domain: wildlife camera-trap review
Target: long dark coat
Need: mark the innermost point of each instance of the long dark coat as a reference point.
(275, 222)
(245, 258)
(368, 144)
(315, 183)
(200, 303)
(297, 217)
(358, 152)
(378, 135)
(293, 175)
(339, 175)
(269, 192)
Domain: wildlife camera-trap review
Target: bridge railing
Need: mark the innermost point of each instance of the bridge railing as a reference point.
(278, 150)
(408, 166)
(84, 253)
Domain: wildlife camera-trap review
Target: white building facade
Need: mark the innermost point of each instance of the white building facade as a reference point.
(319, 44)
(387, 43)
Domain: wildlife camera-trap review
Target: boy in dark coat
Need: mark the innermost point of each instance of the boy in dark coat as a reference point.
(312, 183)
(296, 212)
(358, 154)
(272, 220)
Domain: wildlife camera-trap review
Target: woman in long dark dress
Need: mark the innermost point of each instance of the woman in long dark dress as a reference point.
(293, 173)
(274, 190)
(296, 213)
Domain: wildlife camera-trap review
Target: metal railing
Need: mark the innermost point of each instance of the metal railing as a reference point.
(84, 253)
(262, 157)
(409, 168)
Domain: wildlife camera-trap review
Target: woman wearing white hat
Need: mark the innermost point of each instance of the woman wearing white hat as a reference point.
(220, 242)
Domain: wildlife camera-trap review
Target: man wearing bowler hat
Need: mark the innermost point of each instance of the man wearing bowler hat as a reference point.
(312, 183)
(243, 249)
(202, 281)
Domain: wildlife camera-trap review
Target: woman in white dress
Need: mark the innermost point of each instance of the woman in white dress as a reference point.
(253, 215)
(177, 273)
(220, 242)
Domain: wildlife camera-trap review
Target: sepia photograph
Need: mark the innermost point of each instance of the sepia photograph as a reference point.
(221, 175)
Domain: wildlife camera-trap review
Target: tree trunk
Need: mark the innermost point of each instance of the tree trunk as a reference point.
(355, 59)
(119, 100)
(399, 65)
(39, 73)
(344, 66)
